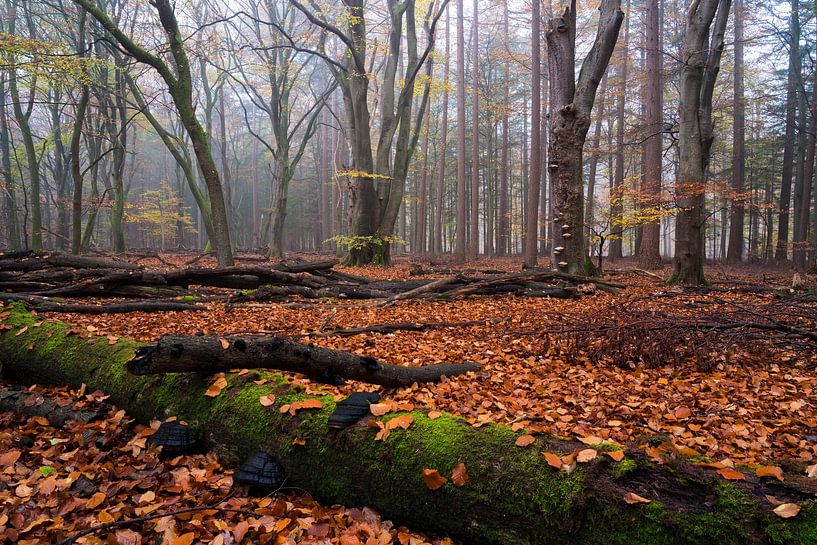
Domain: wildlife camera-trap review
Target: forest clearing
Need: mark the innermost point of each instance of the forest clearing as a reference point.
(415, 272)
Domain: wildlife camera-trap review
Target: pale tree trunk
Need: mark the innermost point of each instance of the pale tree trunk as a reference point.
(473, 239)
(617, 190)
(502, 224)
(460, 248)
(422, 197)
(782, 249)
(701, 63)
(594, 163)
(808, 188)
(649, 253)
(535, 163)
(439, 186)
(571, 103)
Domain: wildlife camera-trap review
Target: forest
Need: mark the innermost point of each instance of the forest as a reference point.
(415, 272)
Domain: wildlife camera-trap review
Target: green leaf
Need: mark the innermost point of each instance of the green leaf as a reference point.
(46, 470)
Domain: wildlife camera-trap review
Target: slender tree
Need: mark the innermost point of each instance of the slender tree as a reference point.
(535, 162)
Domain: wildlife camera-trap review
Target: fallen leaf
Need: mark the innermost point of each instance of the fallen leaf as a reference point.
(524, 440)
(267, 400)
(731, 474)
(553, 460)
(300, 441)
(459, 477)
(312, 403)
(379, 409)
(402, 421)
(95, 500)
(787, 510)
(434, 415)
(433, 479)
(682, 412)
(632, 498)
(811, 471)
(770, 471)
(225, 344)
(586, 455)
(617, 455)
(216, 387)
(184, 539)
(591, 440)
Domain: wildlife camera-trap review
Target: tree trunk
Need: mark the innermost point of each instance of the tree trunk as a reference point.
(15, 242)
(589, 209)
(782, 249)
(439, 185)
(649, 253)
(701, 63)
(535, 163)
(460, 246)
(571, 104)
(473, 238)
(512, 496)
(736, 217)
(617, 189)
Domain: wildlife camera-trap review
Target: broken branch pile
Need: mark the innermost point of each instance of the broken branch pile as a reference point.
(34, 278)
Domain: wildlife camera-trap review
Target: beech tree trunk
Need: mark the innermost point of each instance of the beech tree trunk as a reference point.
(535, 164)
(460, 245)
(701, 62)
(512, 496)
(571, 104)
(617, 190)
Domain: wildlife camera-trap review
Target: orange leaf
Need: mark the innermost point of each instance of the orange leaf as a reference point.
(631, 498)
(433, 479)
(591, 440)
(688, 452)
(787, 510)
(731, 474)
(184, 539)
(682, 412)
(553, 460)
(586, 455)
(225, 344)
(617, 455)
(434, 415)
(284, 408)
(299, 441)
(216, 387)
(524, 440)
(459, 476)
(379, 409)
(95, 500)
(267, 400)
(403, 421)
(312, 403)
(770, 471)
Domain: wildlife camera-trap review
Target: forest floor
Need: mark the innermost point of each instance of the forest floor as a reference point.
(596, 366)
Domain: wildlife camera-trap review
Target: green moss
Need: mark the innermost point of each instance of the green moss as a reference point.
(623, 468)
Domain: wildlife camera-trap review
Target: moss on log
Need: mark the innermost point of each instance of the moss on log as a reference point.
(512, 495)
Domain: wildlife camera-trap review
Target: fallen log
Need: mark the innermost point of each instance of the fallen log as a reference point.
(402, 326)
(512, 496)
(210, 354)
(44, 304)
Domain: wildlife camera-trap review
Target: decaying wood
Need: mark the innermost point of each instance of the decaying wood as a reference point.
(210, 354)
(56, 411)
(391, 328)
(44, 304)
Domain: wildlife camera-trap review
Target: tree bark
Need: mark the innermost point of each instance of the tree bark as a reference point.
(701, 63)
(572, 102)
(649, 253)
(512, 496)
(535, 163)
(439, 185)
(617, 189)
(460, 243)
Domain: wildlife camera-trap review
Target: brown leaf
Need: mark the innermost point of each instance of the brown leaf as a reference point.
(553, 460)
(616, 455)
(434, 415)
(433, 479)
(95, 500)
(459, 476)
(591, 440)
(731, 474)
(216, 387)
(682, 412)
(312, 403)
(632, 498)
(524, 440)
(184, 539)
(787, 510)
(225, 344)
(586, 455)
(402, 421)
(770, 471)
(267, 400)
(379, 409)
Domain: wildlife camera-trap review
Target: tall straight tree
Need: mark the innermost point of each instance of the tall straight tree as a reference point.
(503, 225)
(9, 198)
(649, 253)
(178, 78)
(701, 60)
(572, 102)
(535, 164)
(439, 184)
(460, 246)
(734, 253)
(617, 189)
(782, 250)
(473, 237)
